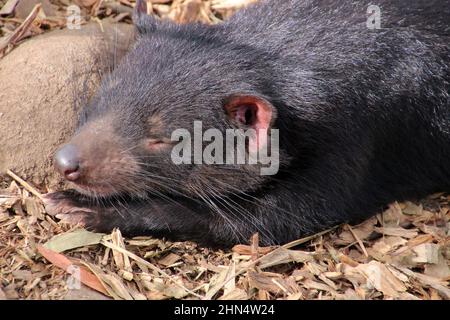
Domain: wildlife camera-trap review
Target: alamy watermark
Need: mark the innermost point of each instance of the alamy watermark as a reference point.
(73, 17)
(238, 147)
(373, 20)
(74, 280)
(374, 17)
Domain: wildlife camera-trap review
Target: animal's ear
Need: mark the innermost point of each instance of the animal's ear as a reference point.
(144, 22)
(252, 112)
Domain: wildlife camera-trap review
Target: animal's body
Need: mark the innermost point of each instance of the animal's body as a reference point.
(363, 117)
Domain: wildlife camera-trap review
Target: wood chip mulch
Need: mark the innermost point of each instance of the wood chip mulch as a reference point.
(402, 253)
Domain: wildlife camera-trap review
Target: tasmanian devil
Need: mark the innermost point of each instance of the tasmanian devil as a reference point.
(359, 92)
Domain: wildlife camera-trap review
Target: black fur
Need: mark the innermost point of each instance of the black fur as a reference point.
(364, 117)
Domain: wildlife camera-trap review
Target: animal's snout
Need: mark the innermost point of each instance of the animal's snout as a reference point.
(67, 162)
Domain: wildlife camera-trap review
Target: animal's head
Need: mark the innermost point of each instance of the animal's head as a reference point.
(175, 79)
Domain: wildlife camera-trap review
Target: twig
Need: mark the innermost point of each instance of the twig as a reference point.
(361, 244)
(18, 34)
(254, 246)
(24, 184)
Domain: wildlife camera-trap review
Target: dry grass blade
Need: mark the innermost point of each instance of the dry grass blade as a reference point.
(122, 261)
(307, 239)
(222, 281)
(361, 244)
(24, 184)
(148, 264)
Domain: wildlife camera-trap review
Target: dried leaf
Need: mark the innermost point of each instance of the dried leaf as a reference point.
(64, 263)
(71, 240)
(111, 282)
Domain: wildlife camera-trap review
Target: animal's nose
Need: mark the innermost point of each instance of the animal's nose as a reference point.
(67, 162)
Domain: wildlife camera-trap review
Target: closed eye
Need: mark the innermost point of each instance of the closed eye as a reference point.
(158, 143)
(155, 141)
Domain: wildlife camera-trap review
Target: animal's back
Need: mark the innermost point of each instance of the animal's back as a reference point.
(330, 44)
(292, 20)
(328, 32)
(369, 88)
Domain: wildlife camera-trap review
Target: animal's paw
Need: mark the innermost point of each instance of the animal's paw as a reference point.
(70, 209)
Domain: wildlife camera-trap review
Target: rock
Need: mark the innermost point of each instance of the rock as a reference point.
(40, 83)
(24, 8)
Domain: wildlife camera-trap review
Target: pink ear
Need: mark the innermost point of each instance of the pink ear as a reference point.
(252, 112)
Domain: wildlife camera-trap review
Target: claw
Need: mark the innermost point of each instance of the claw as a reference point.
(66, 209)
